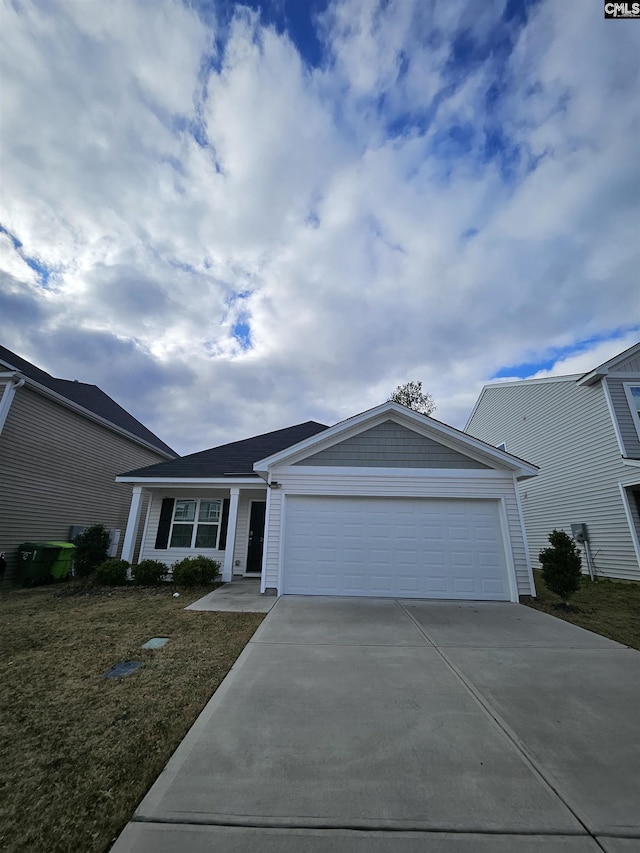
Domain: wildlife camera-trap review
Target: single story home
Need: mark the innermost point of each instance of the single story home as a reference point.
(388, 503)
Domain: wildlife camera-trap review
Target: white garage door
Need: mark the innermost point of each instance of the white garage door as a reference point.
(397, 547)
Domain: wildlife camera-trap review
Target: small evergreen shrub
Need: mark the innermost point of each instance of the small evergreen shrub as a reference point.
(149, 572)
(196, 571)
(561, 565)
(91, 550)
(112, 573)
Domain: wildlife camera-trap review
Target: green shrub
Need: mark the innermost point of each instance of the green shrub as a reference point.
(195, 571)
(561, 565)
(112, 573)
(91, 550)
(149, 572)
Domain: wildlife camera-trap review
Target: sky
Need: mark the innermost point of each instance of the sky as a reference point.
(234, 218)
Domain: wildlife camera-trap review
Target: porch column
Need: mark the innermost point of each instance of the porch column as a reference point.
(227, 569)
(132, 524)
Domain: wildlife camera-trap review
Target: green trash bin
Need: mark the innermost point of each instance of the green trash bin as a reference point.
(34, 562)
(61, 566)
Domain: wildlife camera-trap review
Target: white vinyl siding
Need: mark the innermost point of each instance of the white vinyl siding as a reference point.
(372, 483)
(565, 429)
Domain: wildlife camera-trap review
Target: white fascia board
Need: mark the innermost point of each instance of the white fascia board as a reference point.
(170, 482)
(612, 415)
(634, 463)
(603, 369)
(427, 426)
(404, 473)
(91, 416)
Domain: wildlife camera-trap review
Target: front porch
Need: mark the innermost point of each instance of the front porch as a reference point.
(168, 522)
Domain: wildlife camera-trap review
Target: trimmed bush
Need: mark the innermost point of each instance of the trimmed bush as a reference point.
(91, 550)
(149, 572)
(112, 573)
(561, 565)
(196, 571)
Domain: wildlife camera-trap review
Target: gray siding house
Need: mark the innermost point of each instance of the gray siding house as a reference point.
(583, 432)
(61, 445)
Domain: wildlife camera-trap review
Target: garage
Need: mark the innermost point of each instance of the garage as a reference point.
(394, 547)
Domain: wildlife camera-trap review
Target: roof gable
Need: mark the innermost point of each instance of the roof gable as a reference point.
(627, 361)
(391, 445)
(442, 434)
(236, 458)
(88, 397)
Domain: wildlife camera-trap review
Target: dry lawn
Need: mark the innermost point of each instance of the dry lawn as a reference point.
(78, 751)
(610, 608)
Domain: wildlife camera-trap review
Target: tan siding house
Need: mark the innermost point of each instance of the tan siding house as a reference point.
(581, 431)
(59, 459)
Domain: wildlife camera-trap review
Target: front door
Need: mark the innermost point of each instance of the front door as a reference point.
(256, 537)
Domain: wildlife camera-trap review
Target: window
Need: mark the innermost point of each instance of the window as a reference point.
(633, 396)
(195, 524)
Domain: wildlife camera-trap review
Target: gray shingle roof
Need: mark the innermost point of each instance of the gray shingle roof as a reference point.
(234, 458)
(90, 397)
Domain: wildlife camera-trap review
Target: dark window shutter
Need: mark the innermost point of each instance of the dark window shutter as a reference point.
(224, 523)
(164, 525)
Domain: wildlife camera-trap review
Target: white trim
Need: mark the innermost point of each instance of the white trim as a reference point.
(146, 521)
(612, 413)
(635, 463)
(527, 555)
(423, 473)
(512, 580)
(283, 524)
(604, 369)
(632, 528)
(264, 537)
(13, 383)
(230, 545)
(267, 515)
(133, 520)
(422, 424)
(172, 482)
(195, 523)
(634, 411)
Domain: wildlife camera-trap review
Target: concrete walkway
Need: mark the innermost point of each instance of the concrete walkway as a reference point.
(240, 596)
(370, 725)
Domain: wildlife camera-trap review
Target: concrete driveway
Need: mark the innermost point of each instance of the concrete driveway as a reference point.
(371, 725)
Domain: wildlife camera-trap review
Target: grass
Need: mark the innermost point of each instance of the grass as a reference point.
(610, 608)
(78, 751)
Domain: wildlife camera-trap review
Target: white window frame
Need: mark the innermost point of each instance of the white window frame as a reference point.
(196, 523)
(632, 404)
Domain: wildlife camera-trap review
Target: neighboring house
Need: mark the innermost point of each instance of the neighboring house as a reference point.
(387, 503)
(583, 432)
(61, 445)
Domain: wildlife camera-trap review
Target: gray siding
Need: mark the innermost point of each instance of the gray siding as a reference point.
(626, 425)
(390, 445)
(57, 469)
(566, 429)
(631, 365)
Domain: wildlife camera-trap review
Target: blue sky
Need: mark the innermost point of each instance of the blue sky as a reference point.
(235, 217)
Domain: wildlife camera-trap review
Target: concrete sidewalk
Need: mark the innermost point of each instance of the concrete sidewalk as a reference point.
(374, 725)
(242, 595)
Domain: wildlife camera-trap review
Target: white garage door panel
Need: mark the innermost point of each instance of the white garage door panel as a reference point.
(401, 547)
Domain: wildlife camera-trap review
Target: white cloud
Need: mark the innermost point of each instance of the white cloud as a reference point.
(375, 219)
